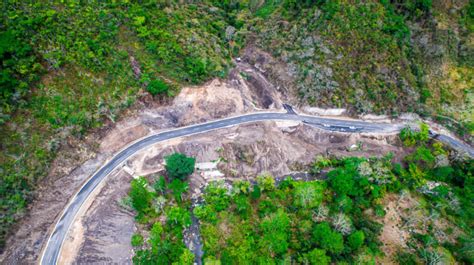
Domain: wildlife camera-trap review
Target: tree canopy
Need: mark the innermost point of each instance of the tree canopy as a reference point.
(179, 166)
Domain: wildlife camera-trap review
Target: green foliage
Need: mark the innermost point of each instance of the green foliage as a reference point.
(160, 185)
(267, 8)
(217, 196)
(275, 233)
(241, 186)
(20, 68)
(186, 258)
(179, 166)
(422, 156)
(356, 240)
(320, 163)
(206, 213)
(313, 224)
(341, 181)
(413, 8)
(467, 18)
(266, 182)
(178, 187)
(466, 250)
(165, 243)
(411, 138)
(408, 137)
(66, 68)
(317, 257)
(406, 258)
(167, 39)
(309, 194)
(156, 232)
(137, 240)
(157, 86)
(242, 206)
(328, 239)
(178, 216)
(141, 197)
(414, 177)
(256, 192)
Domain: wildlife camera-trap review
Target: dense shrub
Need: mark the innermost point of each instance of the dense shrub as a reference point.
(179, 166)
(157, 86)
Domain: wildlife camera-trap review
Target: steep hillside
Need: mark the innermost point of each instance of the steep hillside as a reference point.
(69, 69)
(384, 57)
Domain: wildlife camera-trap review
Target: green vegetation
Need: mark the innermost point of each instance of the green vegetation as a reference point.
(338, 220)
(376, 56)
(179, 166)
(164, 241)
(68, 67)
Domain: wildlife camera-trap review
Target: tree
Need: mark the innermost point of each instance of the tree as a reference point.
(342, 223)
(137, 240)
(317, 257)
(179, 216)
(266, 182)
(217, 196)
(407, 136)
(205, 213)
(326, 238)
(241, 186)
(414, 177)
(275, 233)
(423, 135)
(186, 258)
(140, 196)
(155, 233)
(256, 192)
(320, 162)
(308, 194)
(179, 166)
(242, 205)
(356, 240)
(160, 185)
(341, 181)
(422, 156)
(178, 187)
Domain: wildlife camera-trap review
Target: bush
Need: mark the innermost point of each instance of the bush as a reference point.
(356, 240)
(179, 166)
(140, 196)
(217, 196)
(308, 194)
(157, 86)
(318, 257)
(275, 232)
(328, 239)
(341, 181)
(137, 240)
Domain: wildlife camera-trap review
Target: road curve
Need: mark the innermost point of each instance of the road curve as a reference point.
(53, 247)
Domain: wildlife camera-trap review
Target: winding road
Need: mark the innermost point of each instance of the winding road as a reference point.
(54, 244)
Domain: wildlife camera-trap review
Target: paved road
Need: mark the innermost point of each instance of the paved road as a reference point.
(54, 244)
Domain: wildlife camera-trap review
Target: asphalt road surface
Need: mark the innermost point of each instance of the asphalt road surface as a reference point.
(53, 248)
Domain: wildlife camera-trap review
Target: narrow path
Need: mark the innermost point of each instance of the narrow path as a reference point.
(53, 247)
